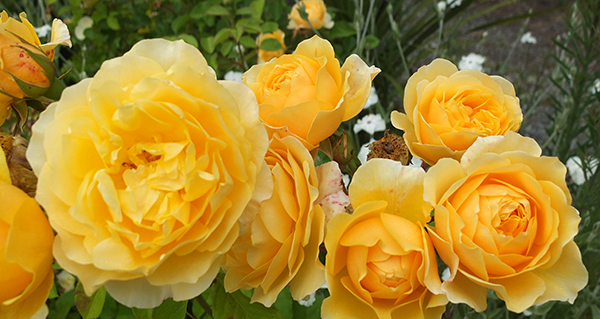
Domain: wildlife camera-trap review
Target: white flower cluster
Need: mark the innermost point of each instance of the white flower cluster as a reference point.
(472, 61)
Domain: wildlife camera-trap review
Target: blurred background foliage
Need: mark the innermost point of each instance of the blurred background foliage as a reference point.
(557, 80)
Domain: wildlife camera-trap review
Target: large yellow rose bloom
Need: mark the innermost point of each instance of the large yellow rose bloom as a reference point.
(281, 247)
(504, 221)
(446, 110)
(16, 61)
(144, 171)
(26, 274)
(307, 94)
(380, 260)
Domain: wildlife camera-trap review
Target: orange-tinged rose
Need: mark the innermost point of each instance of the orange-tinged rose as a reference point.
(266, 56)
(317, 15)
(446, 110)
(281, 247)
(156, 161)
(307, 94)
(380, 260)
(504, 221)
(26, 274)
(16, 61)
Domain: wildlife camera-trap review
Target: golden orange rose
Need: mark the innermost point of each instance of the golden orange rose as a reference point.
(446, 110)
(380, 260)
(156, 161)
(266, 56)
(307, 94)
(26, 275)
(17, 62)
(504, 221)
(281, 247)
(317, 15)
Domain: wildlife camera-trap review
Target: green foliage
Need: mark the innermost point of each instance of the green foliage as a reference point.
(90, 307)
(237, 305)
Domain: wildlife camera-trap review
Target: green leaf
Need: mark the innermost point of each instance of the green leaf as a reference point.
(53, 293)
(342, 29)
(371, 42)
(268, 27)
(217, 11)
(251, 25)
(285, 303)
(258, 6)
(142, 313)
(90, 307)
(237, 305)
(112, 21)
(222, 35)
(208, 44)
(179, 22)
(245, 11)
(226, 48)
(271, 45)
(21, 107)
(170, 309)
(60, 309)
(248, 42)
(189, 39)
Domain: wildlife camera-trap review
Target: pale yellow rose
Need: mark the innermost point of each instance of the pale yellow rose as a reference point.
(307, 94)
(504, 221)
(26, 275)
(16, 61)
(281, 247)
(144, 170)
(380, 260)
(317, 15)
(264, 55)
(446, 110)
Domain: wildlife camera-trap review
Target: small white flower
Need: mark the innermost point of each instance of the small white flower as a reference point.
(370, 123)
(373, 98)
(346, 180)
(43, 30)
(233, 76)
(364, 151)
(308, 300)
(472, 61)
(445, 274)
(528, 38)
(527, 312)
(66, 280)
(452, 3)
(415, 162)
(83, 24)
(574, 166)
(595, 87)
(441, 6)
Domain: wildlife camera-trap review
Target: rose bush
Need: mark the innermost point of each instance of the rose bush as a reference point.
(504, 221)
(17, 62)
(156, 161)
(281, 247)
(380, 260)
(264, 55)
(307, 94)
(317, 15)
(446, 110)
(25, 252)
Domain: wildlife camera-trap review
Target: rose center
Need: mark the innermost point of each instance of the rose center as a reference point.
(512, 217)
(471, 111)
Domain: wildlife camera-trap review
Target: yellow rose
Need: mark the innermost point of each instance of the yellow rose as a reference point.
(317, 15)
(266, 56)
(446, 110)
(307, 94)
(156, 161)
(281, 247)
(26, 275)
(380, 260)
(17, 61)
(504, 221)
